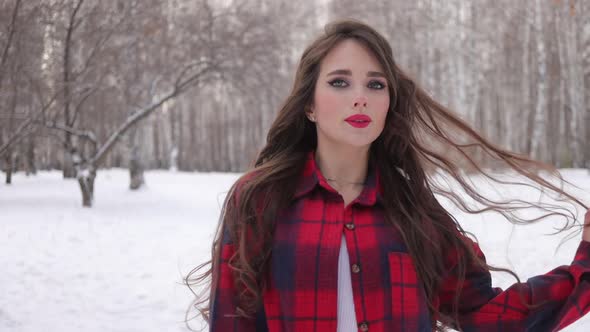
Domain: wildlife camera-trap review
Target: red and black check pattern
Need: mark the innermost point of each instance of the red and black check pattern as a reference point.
(302, 285)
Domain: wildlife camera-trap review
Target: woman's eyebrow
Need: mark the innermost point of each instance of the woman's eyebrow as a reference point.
(349, 73)
(375, 74)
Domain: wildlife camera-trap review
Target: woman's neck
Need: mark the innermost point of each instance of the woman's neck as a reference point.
(346, 166)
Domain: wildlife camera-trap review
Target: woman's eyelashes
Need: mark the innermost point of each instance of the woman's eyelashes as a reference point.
(376, 85)
(340, 83)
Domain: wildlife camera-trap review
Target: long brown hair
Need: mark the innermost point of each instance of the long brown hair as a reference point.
(421, 143)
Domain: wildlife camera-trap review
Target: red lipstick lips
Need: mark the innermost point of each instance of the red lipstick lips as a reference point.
(358, 120)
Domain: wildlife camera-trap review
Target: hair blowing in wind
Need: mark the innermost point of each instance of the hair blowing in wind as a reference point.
(424, 151)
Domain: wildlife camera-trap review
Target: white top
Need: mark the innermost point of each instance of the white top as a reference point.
(346, 314)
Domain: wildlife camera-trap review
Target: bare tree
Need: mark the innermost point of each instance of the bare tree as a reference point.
(86, 67)
(7, 45)
(8, 42)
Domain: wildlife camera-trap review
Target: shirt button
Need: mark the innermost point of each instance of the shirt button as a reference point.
(350, 226)
(364, 326)
(356, 268)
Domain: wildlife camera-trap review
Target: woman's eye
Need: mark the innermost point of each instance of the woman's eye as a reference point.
(376, 85)
(338, 83)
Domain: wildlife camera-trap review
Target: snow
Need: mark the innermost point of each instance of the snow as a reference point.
(119, 265)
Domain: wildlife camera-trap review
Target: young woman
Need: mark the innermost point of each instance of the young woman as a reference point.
(337, 228)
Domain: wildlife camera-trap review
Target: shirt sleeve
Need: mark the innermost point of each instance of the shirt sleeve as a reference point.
(224, 297)
(485, 308)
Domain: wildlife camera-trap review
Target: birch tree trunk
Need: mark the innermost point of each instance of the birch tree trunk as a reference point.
(538, 130)
(460, 60)
(156, 138)
(585, 18)
(576, 95)
(526, 91)
(565, 136)
(10, 154)
(29, 156)
(475, 88)
(136, 167)
(69, 145)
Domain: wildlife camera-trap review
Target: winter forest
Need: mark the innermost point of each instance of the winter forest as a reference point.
(194, 85)
(148, 110)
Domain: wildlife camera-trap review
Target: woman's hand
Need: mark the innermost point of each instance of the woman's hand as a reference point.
(586, 232)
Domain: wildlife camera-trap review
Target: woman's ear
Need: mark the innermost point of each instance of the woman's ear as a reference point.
(310, 113)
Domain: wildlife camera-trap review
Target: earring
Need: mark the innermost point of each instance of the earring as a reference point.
(312, 118)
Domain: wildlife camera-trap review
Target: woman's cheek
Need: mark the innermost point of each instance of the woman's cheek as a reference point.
(330, 103)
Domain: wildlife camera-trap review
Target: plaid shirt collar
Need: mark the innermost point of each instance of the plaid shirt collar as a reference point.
(312, 176)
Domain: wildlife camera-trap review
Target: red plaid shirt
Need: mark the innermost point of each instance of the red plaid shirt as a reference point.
(302, 290)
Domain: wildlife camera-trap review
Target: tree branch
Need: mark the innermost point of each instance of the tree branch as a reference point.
(12, 29)
(178, 88)
(21, 131)
(86, 134)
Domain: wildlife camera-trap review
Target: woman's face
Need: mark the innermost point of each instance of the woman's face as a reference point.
(351, 98)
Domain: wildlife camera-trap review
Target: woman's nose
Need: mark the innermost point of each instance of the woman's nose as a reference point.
(360, 101)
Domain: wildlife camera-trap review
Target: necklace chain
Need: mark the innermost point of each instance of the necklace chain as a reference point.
(338, 181)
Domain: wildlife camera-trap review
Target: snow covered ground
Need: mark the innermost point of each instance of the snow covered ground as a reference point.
(119, 265)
